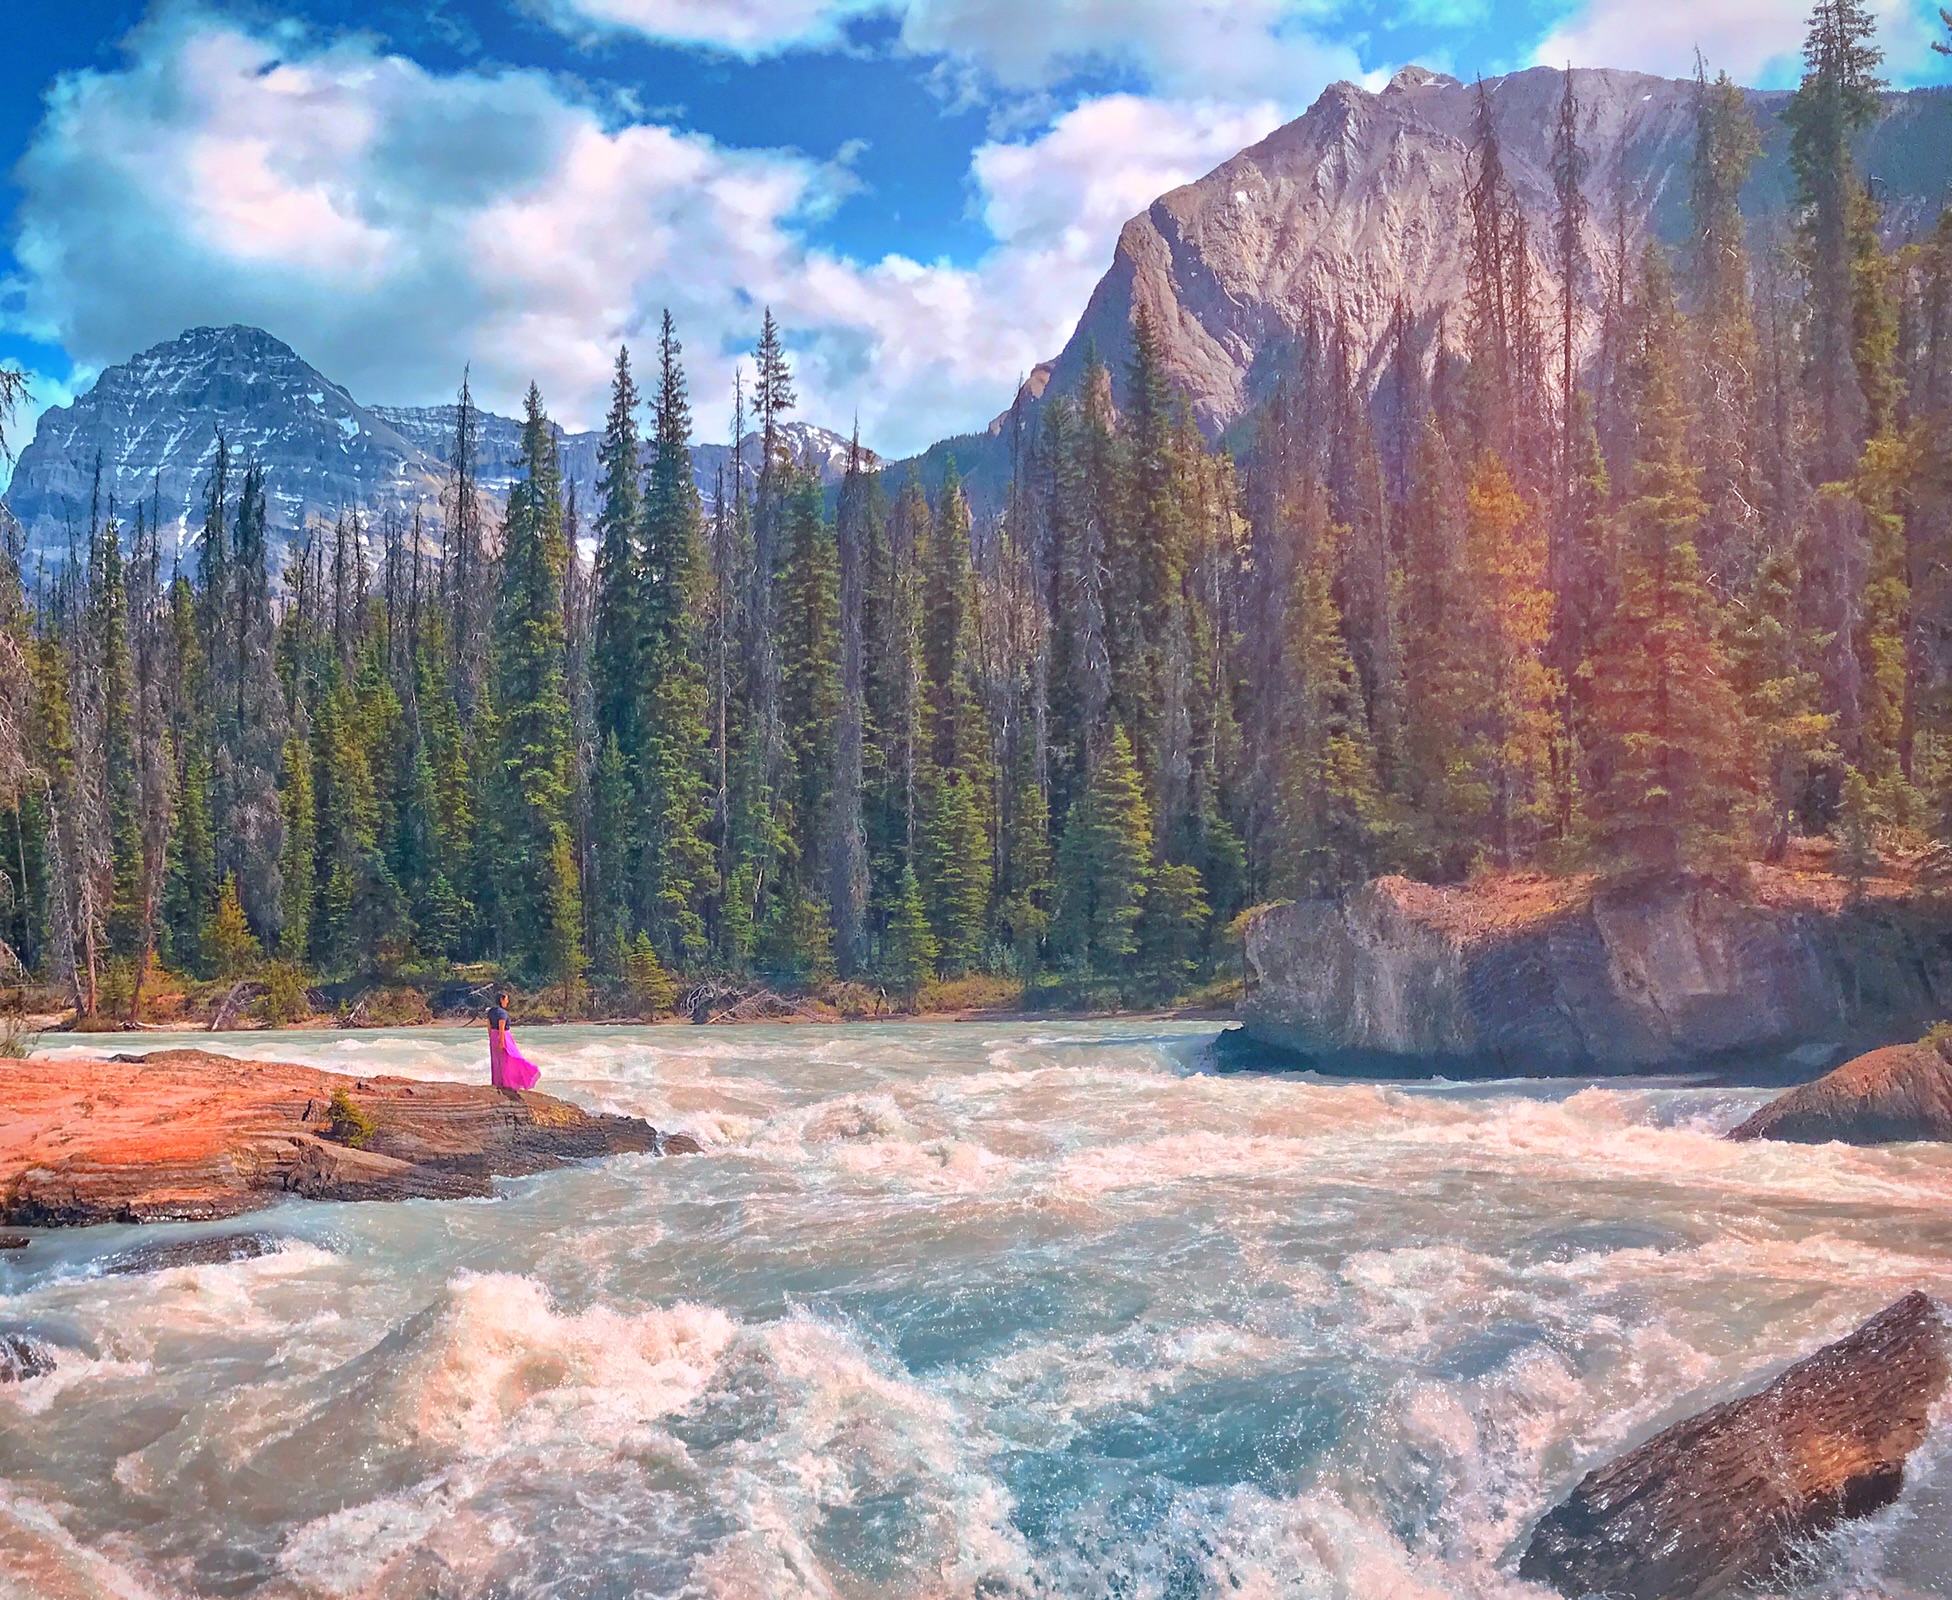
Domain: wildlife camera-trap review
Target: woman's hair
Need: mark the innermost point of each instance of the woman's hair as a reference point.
(501, 997)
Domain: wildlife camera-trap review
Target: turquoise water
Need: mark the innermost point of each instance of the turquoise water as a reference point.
(956, 1310)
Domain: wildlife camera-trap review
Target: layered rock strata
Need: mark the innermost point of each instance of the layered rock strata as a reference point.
(183, 1135)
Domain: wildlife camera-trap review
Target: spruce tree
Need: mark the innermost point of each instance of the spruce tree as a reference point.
(614, 655)
(675, 871)
(1668, 734)
(956, 858)
(908, 948)
(1104, 864)
(535, 881)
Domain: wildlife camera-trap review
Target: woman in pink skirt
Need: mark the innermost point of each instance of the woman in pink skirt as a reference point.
(508, 1068)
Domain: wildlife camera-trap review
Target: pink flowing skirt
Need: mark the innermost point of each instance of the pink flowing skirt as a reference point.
(508, 1068)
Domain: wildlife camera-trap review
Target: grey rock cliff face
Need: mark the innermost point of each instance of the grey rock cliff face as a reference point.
(1362, 202)
(1402, 977)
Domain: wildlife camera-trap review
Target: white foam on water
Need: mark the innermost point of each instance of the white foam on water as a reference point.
(507, 1367)
(664, 1378)
(40, 1560)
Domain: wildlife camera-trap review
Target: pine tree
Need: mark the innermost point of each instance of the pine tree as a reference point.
(856, 534)
(298, 869)
(676, 872)
(908, 949)
(1669, 738)
(1727, 147)
(956, 859)
(1104, 864)
(230, 948)
(248, 717)
(614, 663)
(536, 883)
(1837, 99)
(1510, 696)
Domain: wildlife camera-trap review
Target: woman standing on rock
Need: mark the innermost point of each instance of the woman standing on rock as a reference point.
(508, 1068)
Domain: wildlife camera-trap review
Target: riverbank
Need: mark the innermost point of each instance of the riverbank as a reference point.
(185, 1135)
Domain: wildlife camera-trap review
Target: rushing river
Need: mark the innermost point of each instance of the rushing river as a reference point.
(958, 1310)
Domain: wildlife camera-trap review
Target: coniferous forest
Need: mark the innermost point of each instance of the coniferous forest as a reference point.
(1672, 590)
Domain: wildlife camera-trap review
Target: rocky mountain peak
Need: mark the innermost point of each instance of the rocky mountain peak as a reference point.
(1360, 204)
(152, 424)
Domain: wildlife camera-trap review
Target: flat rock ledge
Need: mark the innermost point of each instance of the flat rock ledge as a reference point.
(1890, 1096)
(184, 1135)
(1723, 1499)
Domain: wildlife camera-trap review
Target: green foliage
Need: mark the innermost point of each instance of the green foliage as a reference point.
(286, 998)
(347, 1122)
(229, 947)
(956, 863)
(908, 948)
(652, 990)
(1103, 868)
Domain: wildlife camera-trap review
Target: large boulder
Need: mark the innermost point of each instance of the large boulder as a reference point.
(1902, 1092)
(1723, 1499)
(1571, 976)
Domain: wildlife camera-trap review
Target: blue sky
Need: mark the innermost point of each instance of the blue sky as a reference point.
(925, 190)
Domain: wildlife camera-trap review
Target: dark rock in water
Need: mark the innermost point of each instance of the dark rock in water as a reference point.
(13, 1241)
(22, 1356)
(679, 1144)
(1721, 1500)
(1542, 977)
(214, 1251)
(1900, 1093)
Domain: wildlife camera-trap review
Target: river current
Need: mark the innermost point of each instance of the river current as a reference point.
(949, 1310)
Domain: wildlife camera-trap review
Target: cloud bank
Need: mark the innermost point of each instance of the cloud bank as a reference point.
(394, 224)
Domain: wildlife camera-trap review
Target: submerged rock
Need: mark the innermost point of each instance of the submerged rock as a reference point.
(183, 1135)
(216, 1250)
(1542, 976)
(1902, 1092)
(13, 1241)
(1722, 1499)
(22, 1356)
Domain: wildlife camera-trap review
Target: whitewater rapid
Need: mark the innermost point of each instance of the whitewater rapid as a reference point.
(956, 1310)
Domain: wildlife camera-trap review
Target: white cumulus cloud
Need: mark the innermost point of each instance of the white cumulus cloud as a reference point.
(1756, 42)
(744, 27)
(394, 224)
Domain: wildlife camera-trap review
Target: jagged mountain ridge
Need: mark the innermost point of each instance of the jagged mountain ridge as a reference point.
(153, 422)
(1362, 200)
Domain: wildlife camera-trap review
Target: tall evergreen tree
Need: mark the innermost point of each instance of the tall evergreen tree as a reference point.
(1669, 735)
(536, 890)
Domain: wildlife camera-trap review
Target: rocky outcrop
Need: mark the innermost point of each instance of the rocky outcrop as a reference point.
(212, 1250)
(1900, 1093)
(183, 1135)
(1542, 976)
(1721, 1500)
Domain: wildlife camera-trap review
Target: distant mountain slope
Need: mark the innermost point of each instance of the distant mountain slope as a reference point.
(153, 422)
(1363, 199)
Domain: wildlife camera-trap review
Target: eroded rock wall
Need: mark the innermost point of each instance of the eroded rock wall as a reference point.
(1588, 977)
